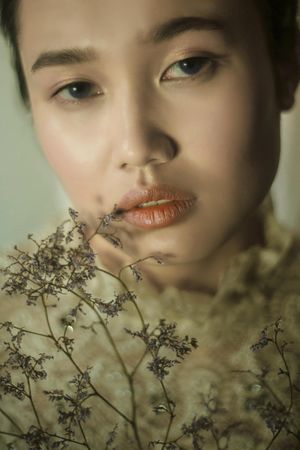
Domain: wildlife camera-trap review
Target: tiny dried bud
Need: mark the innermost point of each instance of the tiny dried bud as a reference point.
(69, 319)
(160, 409)
(136, 273)
(73, 214)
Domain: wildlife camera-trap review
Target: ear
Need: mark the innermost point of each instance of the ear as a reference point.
(288, 76)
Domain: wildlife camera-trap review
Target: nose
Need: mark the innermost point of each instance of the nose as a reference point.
(141, 138)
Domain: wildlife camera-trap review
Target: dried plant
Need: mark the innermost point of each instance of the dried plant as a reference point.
(61, 265)
(278, 416)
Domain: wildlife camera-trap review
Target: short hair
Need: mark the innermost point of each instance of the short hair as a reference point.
(279, 19)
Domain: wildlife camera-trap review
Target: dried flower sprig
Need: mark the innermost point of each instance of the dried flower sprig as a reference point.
(163, 337)
(196, 432)
(278, 416)
(74, 414)
(62, 265)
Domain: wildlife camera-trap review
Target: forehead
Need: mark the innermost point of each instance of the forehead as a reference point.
(93, 18)
(118, 26)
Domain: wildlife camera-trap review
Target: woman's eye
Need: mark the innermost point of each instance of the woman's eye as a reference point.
(77, 91)
(191, 67)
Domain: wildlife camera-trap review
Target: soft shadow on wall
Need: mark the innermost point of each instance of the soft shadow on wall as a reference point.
(31, 195)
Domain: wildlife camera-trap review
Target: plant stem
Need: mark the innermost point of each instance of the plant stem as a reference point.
(126, 289)
(171, 413)
(84, 436)
(280, 350)
(11, 420)
(132, 374)
(134, 263)
(32, 332)
(215, 438)
(32, 403)
(48, 434)
(6, 433)
(107, 402)
(128, 376)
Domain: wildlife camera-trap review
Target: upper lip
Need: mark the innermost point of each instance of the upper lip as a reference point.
(156, 192)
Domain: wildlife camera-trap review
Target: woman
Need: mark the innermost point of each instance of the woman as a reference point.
(177, 103)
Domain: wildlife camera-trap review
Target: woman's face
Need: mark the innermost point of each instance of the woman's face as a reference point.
(138, 117)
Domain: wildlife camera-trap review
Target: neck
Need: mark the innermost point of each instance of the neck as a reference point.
(202, 275)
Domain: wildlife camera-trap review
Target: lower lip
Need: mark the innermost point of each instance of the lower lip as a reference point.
(158, 216)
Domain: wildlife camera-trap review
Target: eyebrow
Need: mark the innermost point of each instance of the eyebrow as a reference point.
(160, 33)
(179, 25)
(64, 57)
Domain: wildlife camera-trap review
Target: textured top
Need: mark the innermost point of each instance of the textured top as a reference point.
(224, 394)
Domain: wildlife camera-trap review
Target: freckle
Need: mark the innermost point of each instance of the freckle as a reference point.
(99, 198)
(119, 211)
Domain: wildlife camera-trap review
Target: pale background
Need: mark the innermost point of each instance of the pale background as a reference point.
(31, 194)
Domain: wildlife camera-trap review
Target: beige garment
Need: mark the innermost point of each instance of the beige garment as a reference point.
(215, 383)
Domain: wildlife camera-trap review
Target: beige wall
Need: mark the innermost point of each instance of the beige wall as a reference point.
(30, 193)
(287, 186)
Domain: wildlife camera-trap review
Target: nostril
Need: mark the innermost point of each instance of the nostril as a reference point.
(143, 151)
(154, 160)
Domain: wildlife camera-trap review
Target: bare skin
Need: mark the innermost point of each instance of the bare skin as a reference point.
(145, 121)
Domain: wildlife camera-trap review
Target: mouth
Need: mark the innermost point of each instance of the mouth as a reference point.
(155, 207)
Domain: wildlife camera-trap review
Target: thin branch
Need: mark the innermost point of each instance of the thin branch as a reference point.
(56, 436)
(33, 332)
(11, 420)
(280, 350)
(132, 374)
(171, 413)
(69, 356)
(214, 435)
(6, 433)
(126, 289)
(134, 263)
(32, 403)
(84, 436)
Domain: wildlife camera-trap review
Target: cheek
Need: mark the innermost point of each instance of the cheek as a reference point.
(64, 144)
(70, 155)
(231, 132)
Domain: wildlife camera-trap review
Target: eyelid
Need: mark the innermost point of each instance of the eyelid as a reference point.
(212, 58)
(66, 85)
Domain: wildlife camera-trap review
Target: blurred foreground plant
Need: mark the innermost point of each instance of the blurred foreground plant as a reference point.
(63, 264)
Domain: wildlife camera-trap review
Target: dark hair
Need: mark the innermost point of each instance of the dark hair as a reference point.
(280, 20)
(279, 17)
(9, 24)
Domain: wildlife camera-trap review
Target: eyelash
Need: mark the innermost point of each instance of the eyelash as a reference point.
(210, 64)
